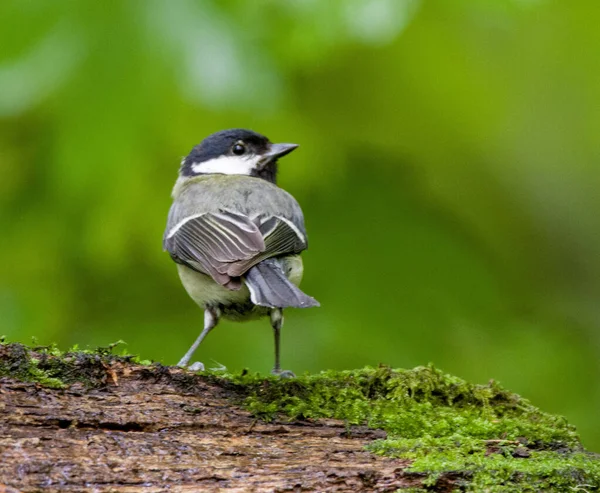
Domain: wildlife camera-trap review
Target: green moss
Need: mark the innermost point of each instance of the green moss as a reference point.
(485, 437)
(19, 363)
(49, 367)
(42, 376)
(496, 469)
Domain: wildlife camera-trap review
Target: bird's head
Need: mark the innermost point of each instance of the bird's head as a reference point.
(235, 152)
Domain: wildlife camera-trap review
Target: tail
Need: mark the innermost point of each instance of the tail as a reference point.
(270, 287)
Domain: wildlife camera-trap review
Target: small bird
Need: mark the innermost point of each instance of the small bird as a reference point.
(235, 235)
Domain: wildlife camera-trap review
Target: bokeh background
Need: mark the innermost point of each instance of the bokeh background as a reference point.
(449, 171)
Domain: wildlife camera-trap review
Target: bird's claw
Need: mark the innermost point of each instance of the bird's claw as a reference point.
(196, 366)
(283, 373)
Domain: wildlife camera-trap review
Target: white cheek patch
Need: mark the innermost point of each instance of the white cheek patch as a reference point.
(227, 165)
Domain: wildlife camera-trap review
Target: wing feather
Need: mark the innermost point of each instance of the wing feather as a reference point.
(280, 238)
(226, 245)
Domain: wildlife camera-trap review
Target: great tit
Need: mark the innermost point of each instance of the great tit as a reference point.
(235, 235)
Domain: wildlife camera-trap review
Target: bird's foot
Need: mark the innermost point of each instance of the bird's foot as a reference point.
(196, 366)
(283, 373)
(199, 366)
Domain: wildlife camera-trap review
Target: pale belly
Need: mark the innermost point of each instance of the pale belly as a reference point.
(235, 305)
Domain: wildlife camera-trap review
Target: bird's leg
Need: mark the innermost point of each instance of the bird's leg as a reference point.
(211, 319)
(277, 323)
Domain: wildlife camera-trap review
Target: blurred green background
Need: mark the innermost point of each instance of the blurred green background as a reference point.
(449, 172)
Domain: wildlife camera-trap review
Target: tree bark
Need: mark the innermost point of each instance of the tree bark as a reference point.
(156, 428)
(91, 421)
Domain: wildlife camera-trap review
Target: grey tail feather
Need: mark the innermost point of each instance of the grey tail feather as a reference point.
(270, 287)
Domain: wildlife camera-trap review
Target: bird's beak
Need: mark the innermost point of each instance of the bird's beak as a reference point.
(276, 151)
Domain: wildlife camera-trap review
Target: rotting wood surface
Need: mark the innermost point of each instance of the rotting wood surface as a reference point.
(145, 431)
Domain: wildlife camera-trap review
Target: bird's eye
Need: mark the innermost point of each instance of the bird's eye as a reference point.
(238, 149)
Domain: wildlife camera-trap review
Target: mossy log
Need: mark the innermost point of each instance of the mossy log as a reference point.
(92, 421)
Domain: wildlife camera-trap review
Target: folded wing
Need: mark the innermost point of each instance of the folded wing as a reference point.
(226, 245)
